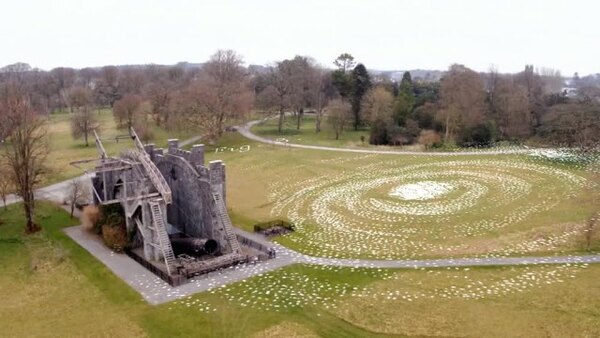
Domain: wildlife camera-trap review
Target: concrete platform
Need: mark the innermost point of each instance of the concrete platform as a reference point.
(153, 289)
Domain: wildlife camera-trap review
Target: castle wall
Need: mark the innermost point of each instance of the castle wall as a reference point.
(188, 212)
(192, 185)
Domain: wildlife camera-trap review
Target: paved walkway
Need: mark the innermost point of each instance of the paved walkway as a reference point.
(190, 141)
(245, 130)
(153, 289)
(56, 192)
(156, 291)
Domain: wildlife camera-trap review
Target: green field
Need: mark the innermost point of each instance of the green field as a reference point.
(344, 206)
(64, 149)
(498, 205)
(349, 138)
(52, 287)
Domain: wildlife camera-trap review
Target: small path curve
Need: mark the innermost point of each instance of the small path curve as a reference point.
(296, 257)
(245, 130)
(190, 140)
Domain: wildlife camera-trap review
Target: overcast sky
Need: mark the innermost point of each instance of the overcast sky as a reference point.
(387, 35)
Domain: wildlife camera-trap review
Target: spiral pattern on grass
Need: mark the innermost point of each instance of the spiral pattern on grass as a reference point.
(387, 211)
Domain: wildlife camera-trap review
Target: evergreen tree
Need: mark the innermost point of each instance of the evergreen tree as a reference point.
(361, 82)
(341, 77)
(405, 101)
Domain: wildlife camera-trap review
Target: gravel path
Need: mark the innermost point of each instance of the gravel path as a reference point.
(245, 130)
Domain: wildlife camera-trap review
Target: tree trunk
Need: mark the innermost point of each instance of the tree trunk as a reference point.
(220, 124)
(299, 118)
(447, 128)
(280, 123)
(28, 206)
(319, 117)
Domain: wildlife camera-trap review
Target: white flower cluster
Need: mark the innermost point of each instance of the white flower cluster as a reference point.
(388, 210)
(314, 286)
(461, 283)
(288, 289)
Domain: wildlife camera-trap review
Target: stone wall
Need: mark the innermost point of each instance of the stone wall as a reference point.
(192, 185)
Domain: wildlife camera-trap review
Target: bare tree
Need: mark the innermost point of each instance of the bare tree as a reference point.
(534, 87)
(552, 80)
(83, 121)
(511, 109)
(127, 110)
(491, 85)
(428, 138)
(338, 115)
(160, 95)
(63, 78)
(462, 100)
(323, 91)
(573, 125)
(301, 82)
(26, 149)
(78, 194)
(282, 80)
(268, 99)
(222, 91)
(107, 89)
(378, 105)
(6, 183)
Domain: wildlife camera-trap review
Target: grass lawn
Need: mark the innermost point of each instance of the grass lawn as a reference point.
(349, 138)
(52, 287)
(500, 205)
(344, 207)
(540, 301)
(64, 149)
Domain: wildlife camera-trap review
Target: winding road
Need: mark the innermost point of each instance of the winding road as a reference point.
(245, 130)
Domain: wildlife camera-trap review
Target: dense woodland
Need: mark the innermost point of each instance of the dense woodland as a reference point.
(464, 107)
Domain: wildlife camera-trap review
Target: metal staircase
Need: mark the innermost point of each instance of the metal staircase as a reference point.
(163, 237)
(225, 221)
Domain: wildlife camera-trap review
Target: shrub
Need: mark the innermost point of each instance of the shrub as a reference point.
(111, 225)
(429, 138)
(271, 224)
(479, 136)
(115, 236)
(90, 217)
(379, 133)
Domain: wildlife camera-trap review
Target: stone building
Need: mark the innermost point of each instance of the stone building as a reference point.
(172, 201)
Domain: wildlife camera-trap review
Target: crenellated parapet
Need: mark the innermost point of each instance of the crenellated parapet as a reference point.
(217, 177)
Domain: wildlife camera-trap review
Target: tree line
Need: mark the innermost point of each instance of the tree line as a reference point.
(464, 107)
